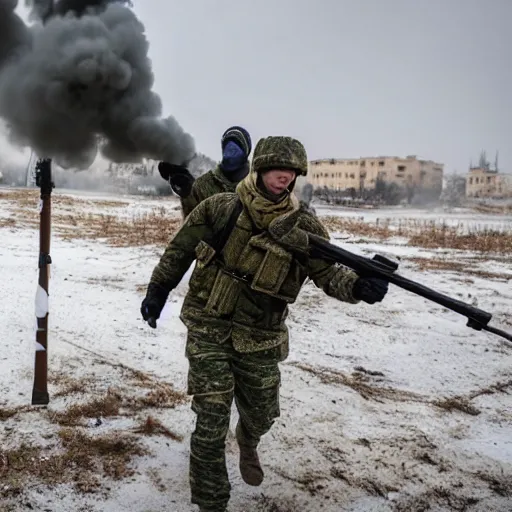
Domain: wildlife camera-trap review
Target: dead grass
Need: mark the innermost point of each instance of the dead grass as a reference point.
(7, 223)
(369, 485)
(500, 484)
(9, 412)
(427, 234)
(103, 407)
(29, 198)
(72, 219)
(492, 208)
(463, 267)
(152, 426)
(360, 383)
(119, 402)
(80, 460)
(463, 403)
(445, 497)
(155, 227)
(265, 503)
(457, 403)
(357, 227)
(161, 397)
(68, 385)
(445, 237)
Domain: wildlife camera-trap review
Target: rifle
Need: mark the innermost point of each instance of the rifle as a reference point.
(384, 268)
(40, 394)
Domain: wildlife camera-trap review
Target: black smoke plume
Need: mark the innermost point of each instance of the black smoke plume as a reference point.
(79, 80)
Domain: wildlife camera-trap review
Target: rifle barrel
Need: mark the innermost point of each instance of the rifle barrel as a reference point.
(477, 318)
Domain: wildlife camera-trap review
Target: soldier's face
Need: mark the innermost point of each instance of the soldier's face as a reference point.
(276, 181)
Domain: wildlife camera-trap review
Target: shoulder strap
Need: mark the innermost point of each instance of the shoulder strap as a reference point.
(220, 240)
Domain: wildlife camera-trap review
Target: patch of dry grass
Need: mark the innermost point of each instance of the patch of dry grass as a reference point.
(103, 407)
(464, 267)
(358, 227)
(463, 403)
(155, 227)
(427, 234)
(9, 412)
(79, 459)
(117, 402)
(493, 208)
(457, 403)
(152, 426)
(10, 222)
(449, 238)
(360, 383)
(30, 197)
(72, 219)
(158, 226)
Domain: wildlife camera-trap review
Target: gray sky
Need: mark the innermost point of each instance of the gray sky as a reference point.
(347, 77)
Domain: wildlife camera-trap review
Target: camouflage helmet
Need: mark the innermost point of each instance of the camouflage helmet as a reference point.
(280, 153)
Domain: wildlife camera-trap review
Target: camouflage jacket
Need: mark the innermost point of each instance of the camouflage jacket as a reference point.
(209, 184)
(245, 293)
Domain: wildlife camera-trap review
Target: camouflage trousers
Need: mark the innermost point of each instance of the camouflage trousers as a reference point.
(217, 374)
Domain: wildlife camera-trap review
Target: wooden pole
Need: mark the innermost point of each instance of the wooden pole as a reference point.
(40, 394)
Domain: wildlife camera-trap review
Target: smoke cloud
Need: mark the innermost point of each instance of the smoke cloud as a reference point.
(81, 82)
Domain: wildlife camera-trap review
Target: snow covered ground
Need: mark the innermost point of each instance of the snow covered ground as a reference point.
(394, 407)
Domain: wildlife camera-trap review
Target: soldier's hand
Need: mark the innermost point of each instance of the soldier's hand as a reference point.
(166, 169)
(370, 289)
(150, 310)
(178, 176)
(153, 304)
(284, 229)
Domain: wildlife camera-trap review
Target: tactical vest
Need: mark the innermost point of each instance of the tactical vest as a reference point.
(244, 285)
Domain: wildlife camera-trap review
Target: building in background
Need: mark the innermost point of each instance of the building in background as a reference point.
(481, 182)
(364, 173)
(484, 182)
(367, 177)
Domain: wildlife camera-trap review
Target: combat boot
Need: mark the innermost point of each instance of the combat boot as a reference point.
(250, 467)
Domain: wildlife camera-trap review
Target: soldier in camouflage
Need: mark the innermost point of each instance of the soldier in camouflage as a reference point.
(236, 148)
(236, 307)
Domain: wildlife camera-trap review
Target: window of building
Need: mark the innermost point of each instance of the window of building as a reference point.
(471, 181)
(381, 163)
(332, 161)
(363, 163)
(352, 175)
(401, 168)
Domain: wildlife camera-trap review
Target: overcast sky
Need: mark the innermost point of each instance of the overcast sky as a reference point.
(349, 78)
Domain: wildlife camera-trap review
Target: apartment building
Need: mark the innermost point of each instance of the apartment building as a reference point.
(362, 173)
(486, 182)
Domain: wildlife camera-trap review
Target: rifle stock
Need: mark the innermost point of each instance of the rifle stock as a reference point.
(385, 269)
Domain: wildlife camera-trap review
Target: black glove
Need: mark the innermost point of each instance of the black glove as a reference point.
(178, 176)
(153, 304)
(370, 289)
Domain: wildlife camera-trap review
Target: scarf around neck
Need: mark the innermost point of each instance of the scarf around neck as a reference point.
(262, 210)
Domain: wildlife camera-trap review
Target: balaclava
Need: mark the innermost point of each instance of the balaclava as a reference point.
(236, 148)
